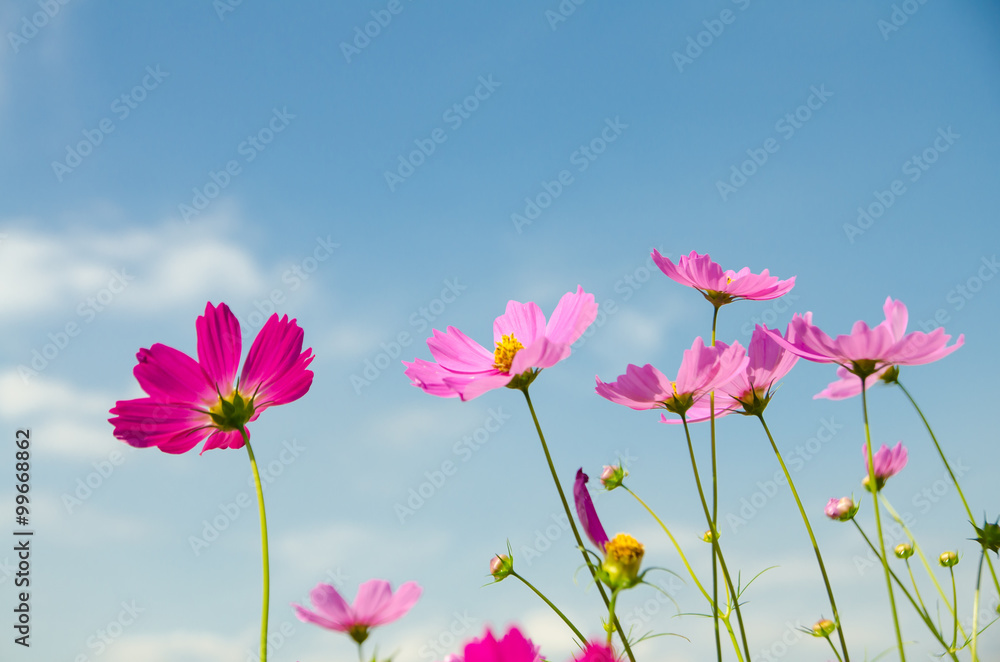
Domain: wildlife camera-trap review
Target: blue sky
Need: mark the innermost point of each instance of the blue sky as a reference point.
(156, 157)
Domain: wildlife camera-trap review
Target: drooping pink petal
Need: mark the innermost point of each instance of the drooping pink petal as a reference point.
(586, 512)
(219, 346)
(224, 439)
(429, 377)
(573, 314)
(457, 352)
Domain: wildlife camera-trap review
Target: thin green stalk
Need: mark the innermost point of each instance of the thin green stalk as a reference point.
(954, 479)
(834, 648)
(916, 589)
(715, 542)
(954, 599)
(611, 615)
(924, 615)
(715, 505)
(680, 552)
(572, 522)
(263, 545)
(975, 605)
(579, 635)
(878, 521)
(923, 559)
(361, 657)
(812, 538)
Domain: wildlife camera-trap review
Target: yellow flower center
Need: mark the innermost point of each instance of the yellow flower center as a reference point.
(622, 557)
(503, 357)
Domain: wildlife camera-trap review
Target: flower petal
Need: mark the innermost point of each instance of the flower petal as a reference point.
(275, 370)
(586, 512)
(146, 422)
(219, 346)
(457, 352)
(171, 376)
(524, 321)
(373, 597)
(573, 314)
(401, 602)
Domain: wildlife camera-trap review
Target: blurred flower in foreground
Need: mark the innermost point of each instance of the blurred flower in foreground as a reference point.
(613, 476)
(888, 463)
(841, 509)
(189, 399)
(515, 647)
(524, 345)
(722, 287)
(375, 604)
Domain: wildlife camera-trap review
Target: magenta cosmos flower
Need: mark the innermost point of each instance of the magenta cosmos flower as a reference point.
(515, 647)
(866, 351)
(188, 400)
(751, 389)
(703, 369)
(888, 462)
(375, 604)
(524, 345)
(722, 287)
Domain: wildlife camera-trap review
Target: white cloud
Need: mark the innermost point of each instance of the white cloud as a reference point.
(172, 265)
(181, 645)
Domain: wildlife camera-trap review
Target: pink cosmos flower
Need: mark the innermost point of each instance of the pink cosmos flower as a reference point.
(703, 369)
(865, 350)
(188, 400)
(375, 604)
(524, 345)
(722, 287)
(750, 390)
(888, 462)
(515, 647)
(848, 384)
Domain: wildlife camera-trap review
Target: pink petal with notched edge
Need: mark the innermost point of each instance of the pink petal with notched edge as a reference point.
(573, 314)
(469, 387)
(402, 601)
(429, 377)
(373, 596)
(225, 439)
(543, 353)
(146, 422)
(170, 375)
(638, 388)
(275, 369)
(219, 346)
(525, 321)
(456, 352)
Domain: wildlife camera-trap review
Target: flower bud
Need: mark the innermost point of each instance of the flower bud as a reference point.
(623, 556)
(612, 476)
(707, 536)
(824, 628)
(904, 550)
(948, 559)
(989, 536)
(501, 566)
(841, 509)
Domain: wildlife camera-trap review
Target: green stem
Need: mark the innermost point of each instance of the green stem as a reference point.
(263, 547)
(572, 522)
(579, 635)
(954, 479)
(923, 559)
(611, 615)
(834, 648)
(715, 542)
(975, 605)
(361, 657)
(916, 589)
(878, 520)
(812, 538)
(954, 600)
(680, 552)
(924, 615)
(715, 505)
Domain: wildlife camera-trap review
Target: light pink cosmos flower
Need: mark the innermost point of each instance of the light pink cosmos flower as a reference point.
(888, 462)
(189, 399)
(865, 350)
(524, 342)
(375, 604)
(750, 390)
(722, 287)
(848, 384)
(515, 647)
(702, 370)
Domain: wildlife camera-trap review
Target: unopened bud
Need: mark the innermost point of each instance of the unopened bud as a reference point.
(904, 550)
(841, 509)
(612, 476)
(623, 556)
(707, 536)
(501, 566)
(824, 628)
(948, 559)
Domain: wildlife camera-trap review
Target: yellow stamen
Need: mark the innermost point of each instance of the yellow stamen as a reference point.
(622, 558)
(503, 357)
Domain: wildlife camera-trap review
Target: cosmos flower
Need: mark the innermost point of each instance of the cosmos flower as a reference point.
(188, 400)
(515, 647)
(722, 287)
(703, 369)
(375, 604)
(525, 344)
(888, 462)
(866, 351)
